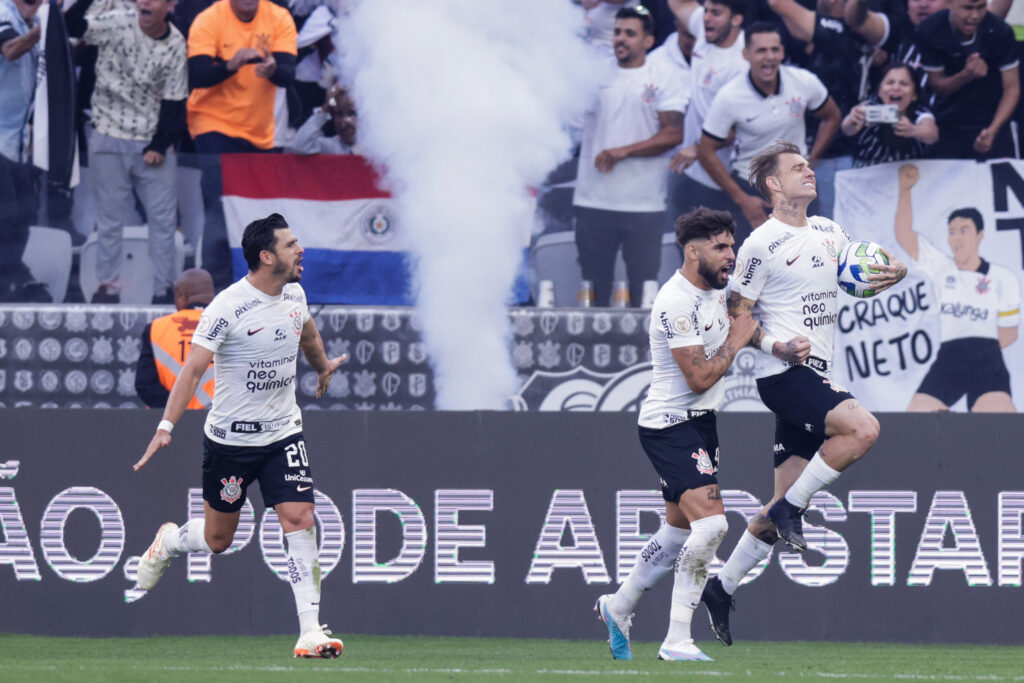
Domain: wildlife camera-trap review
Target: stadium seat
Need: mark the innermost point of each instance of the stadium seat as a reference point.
(671, 259)
(48, 255)
(554, 257)
(136, 268)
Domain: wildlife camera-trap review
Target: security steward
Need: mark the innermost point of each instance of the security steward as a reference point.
(166, 342)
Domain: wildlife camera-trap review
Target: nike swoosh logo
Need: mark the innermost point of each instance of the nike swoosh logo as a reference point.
(751, 118)
(708, 326)
(303, 488)
(252, 332)
(791, 261)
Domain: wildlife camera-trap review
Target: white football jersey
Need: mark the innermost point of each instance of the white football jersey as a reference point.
(762, 120)
(682, 315)
(625, 111)
(973, 303)
(255, 344)
(792, 275)
(711, 68)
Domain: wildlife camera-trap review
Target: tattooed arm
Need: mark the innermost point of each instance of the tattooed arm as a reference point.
(793, 351)
(702, 372)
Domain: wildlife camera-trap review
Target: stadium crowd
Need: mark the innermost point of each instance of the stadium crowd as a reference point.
(693, 91)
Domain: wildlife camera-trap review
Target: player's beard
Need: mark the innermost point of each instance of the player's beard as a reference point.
(290, 274)
(711, 275)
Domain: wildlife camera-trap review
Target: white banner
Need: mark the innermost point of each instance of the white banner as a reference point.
(886, 345)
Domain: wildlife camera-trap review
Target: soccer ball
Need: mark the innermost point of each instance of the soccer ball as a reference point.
(856, 261)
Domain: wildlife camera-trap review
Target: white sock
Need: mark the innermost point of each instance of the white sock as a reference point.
(191, 538)
(654, 561)
(816, 476)
(692, 574)
(747, 554)
(304, 576)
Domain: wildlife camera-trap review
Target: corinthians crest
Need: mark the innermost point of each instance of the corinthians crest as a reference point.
(232, 490)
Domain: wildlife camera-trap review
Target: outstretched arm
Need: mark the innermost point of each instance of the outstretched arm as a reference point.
(199, 359)
(905, 234)
(312, 345)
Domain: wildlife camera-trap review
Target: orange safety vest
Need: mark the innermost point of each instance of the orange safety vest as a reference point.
(171, 337)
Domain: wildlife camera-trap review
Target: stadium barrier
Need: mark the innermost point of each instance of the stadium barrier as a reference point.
(507, 524)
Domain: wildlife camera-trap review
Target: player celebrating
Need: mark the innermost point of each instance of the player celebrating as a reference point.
(692, 345)
(253, 331)
(786, 272)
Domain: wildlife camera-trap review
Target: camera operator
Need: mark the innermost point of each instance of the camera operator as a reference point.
(903, 136)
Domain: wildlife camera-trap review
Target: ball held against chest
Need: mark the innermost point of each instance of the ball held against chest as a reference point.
(857, 261)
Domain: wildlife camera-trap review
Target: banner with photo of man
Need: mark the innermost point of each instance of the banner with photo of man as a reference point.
(947, 335)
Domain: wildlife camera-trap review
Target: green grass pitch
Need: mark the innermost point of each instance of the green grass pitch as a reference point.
(420, 658)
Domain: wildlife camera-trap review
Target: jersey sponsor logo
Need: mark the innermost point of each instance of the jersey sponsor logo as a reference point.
(246, 307)
(279, 335)
(817, 261)
(815, 363)
(704, 465)
(256, 331)
(218, 432)
(663, 319)
(791, 261)
(292, 297)
(959, 310)
(748, 275)
(779, 242)
(232, 490)
(218, 327)
(302, 478)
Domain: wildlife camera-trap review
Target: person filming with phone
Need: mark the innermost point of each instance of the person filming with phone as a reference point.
(892, 125)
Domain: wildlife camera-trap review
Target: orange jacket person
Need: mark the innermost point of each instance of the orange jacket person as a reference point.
(166, 342)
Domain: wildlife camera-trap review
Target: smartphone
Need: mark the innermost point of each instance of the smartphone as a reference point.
(881, 113)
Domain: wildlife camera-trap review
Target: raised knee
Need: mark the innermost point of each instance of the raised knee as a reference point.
(867, 431)
(219, 544)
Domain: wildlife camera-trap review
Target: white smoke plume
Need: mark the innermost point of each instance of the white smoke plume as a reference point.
(463, 104)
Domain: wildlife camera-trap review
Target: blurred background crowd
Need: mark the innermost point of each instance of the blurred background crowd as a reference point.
(114, 114)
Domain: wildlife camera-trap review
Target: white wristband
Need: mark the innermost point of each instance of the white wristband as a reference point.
(166, 425)
(768, 343)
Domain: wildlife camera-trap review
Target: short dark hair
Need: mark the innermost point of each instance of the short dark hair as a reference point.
(640, 13)
(970, 214)
(735, 6)
(761, 27)
(703, 223)
(259, 236)
(767, 164)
